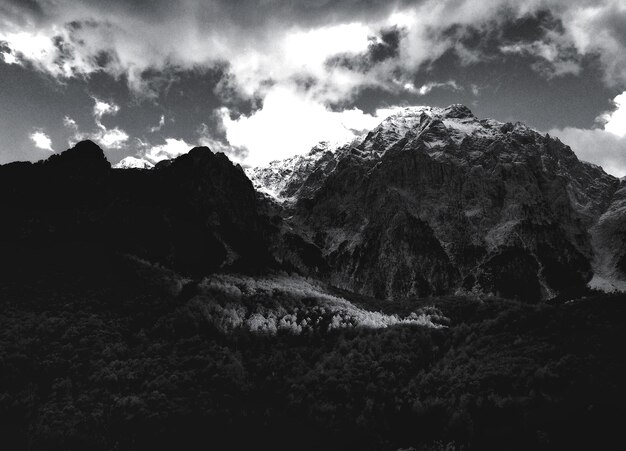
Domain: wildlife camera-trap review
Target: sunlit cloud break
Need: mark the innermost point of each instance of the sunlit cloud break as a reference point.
(41, 140)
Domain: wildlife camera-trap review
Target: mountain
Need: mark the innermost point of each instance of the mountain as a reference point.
(298, 176)
(134, 163)
(437, 201)
(433, 201)
(196, 214)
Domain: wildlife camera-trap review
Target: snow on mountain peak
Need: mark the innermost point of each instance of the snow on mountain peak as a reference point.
(435, 127)
(134, 163)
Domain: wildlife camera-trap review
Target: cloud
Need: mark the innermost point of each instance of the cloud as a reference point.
(554, 61)
(317, 52)
(600, 28)
(292, 122)
(220, 144)
(113, 138)
(110, 138)
(266, 42)
(428, 87)
(8, 57)
(158, 127)
(340, 46)
(147, 153)
(604, 146)
(172, 148)
(41, 140)
(615, 121)
(101, 108)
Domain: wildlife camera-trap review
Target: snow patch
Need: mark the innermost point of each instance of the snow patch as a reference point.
(133, 163)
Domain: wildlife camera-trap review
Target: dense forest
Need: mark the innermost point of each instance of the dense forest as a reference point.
(103, 351)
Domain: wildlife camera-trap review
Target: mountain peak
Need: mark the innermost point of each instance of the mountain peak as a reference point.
(454, 111)
(85, 155)
(200, 152)
(458, 111)
(134, 163)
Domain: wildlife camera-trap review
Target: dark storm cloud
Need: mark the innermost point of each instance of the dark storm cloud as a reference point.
(539, 35)
(386, 46)
(251, 14)
(134, 35)
(248, 14)
(20, 9)
(383, 47)
(506, 27)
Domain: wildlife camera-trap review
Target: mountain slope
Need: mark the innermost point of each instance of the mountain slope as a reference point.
(437, 201)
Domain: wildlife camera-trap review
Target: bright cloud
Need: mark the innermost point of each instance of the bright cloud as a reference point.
(290, 123)
(615, 121)
(171, 149)
(41, 140)
(9, 58)
(160, 125)
(109, 138)
(150, 154)
(603, 146)
(287, 67)
(112, 139)
(260, 49)
(40, 48)
(101, 108)
(428, 87)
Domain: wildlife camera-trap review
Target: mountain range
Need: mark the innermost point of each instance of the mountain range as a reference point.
(432, 201)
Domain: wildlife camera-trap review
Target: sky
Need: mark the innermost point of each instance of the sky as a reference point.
(266, 79)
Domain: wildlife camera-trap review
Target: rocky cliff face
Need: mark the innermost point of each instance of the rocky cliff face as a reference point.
(196, 214)
(437, 201)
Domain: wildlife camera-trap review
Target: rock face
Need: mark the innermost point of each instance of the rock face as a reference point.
(436, 201)
(196, 214)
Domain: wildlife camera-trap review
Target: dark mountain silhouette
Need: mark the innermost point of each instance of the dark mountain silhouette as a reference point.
(195, 214)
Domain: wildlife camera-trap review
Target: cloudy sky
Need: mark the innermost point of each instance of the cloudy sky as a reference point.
(265, 79)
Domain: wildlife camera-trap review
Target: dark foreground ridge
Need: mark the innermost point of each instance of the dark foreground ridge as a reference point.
(195, 214)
